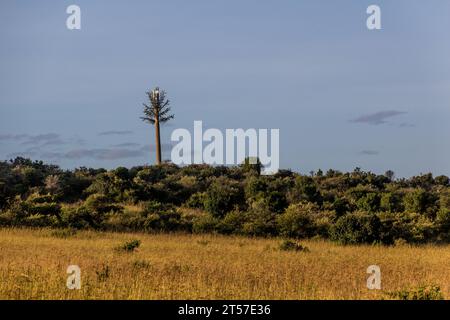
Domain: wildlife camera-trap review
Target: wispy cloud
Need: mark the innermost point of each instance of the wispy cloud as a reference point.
(15, 137)
(98, 154)
(126, 145)
(152, 147)
(369, 152)
(115, 132)
(378, 117)
(406, 125)
(45, 139)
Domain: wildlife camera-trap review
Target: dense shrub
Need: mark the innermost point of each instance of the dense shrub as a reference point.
(305, 189)
(260, 220)
(79, 218)
(100, 204)
(222, 196)
(430, 292)
(392, 202)
(370, 202)
(358, 227)
(162, 217)
(443, 225)
(205, 223)
(129, 246)
(411, 227)
(233, 222)
(298, 221)
(289, 245)
(353, 207)
(197, 200)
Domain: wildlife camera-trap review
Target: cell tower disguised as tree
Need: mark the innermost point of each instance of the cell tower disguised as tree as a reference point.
(156, 113)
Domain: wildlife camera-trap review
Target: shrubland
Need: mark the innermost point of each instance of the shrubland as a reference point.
(349, 208)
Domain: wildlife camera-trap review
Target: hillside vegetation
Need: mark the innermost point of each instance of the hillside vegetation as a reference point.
(348, 208)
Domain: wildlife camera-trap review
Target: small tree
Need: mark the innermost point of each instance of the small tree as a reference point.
(157, 112)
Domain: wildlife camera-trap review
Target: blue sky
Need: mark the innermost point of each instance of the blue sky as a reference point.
(342, 96)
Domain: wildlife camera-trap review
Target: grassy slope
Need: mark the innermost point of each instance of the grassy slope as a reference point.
(33, 266)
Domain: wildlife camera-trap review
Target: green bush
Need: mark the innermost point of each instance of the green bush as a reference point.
(431, 292)
(289, 245)
(163, 221)
(40, 220)
(126, 221)
(205, 223)
(298, 221)
(222, 196)
(159, 217)
(100, 204)
(260, 221)
(8, 219)
(443, 224)
(358, 227)
(79, 218)
(305, 189)
(370, 202)
(233, 222)
(197, 200)
(45, 208)
(391, 202)
(412, 227)
(129, 246)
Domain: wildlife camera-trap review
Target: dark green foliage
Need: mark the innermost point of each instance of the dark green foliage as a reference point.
(160, 217)
(222, 196)
(356, 228)
(100, 204)
(197, 200)
(289, 245)
(431, 292)
(369, 202)
(391, 202)
(353, 207)
(252, 166)
(305, 189)
(298, 221)
(341, 206)
(421, 201)
(233, 222)
(79, 218)
(205, 224)
(260, 220)
(130, 246)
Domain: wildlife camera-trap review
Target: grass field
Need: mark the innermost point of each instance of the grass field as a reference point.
(33, 265)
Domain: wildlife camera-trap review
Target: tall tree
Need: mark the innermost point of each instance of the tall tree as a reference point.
(157, 112)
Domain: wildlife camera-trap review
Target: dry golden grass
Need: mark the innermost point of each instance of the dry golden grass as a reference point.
(33, 265)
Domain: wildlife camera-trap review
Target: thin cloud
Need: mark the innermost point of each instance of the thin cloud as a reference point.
(115, 132)
(369, 152)
(27, 139)
(126, 145)
(378, 117)
(152, 147)
(98, 154)
(406, 125)
(15, 137)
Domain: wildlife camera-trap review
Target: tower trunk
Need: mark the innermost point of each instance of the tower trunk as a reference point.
(158, 142)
